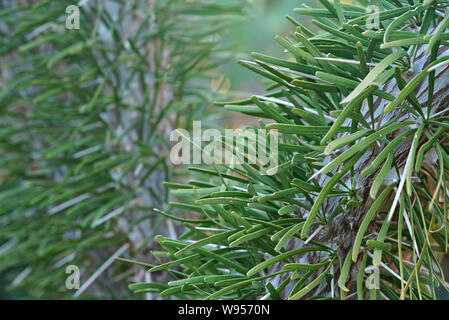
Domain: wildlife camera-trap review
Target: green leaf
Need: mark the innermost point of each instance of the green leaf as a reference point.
(373, 74)
(344, 272)
(345, 140)
(362, 145)
(309, 287)
(288, 235)
(281, 257)
(302, 130)
(388, 149)
(368, 218)
(200, 243)
(324, 193)
(377, 183)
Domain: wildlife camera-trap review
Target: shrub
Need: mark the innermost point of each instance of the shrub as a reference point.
(362, 180)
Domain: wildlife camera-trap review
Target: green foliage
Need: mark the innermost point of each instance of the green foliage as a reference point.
(359, 109)
(84, 128)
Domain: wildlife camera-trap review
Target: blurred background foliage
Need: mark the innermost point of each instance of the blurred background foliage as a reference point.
(266, 19)
(85, 119)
